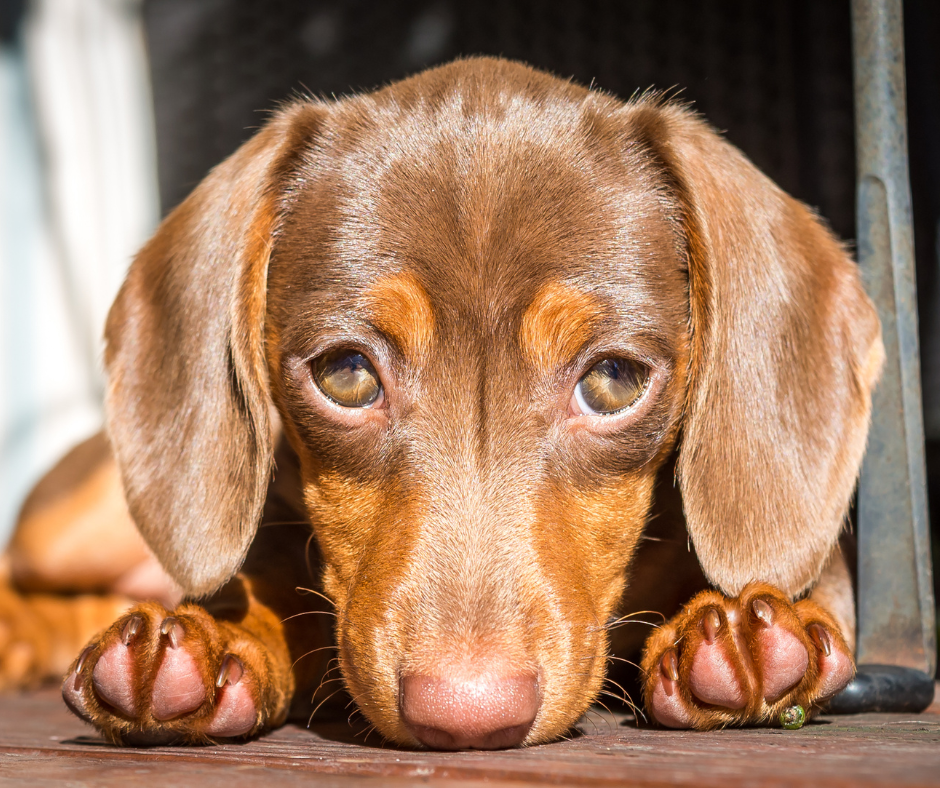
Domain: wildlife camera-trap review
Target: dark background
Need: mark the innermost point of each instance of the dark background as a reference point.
(775, 75)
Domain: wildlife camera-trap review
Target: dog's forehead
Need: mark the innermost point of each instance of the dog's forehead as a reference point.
(484, 203)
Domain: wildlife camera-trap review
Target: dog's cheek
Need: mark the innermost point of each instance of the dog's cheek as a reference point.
(600, 530)
(344, 513)
(586, 541)
(364, 536)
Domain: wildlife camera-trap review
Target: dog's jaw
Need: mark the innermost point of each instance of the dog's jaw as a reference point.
(522, 609)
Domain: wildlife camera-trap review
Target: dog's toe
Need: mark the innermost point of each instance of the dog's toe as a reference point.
(716, 675)
(666, 702)
(179, 686)
(743, 660)
(236, 710)
(835, 666)
(155, 678)
(112, 679)
(780, 650)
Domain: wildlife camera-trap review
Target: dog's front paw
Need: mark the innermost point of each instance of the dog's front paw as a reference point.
(156, 677)
(743, 660)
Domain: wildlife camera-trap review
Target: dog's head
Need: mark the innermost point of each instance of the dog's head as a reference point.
(486, 305)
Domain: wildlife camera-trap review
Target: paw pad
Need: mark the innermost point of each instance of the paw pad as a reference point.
(157, 678)
(743, 660)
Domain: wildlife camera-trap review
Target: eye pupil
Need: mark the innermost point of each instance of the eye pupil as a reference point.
(611, 385)
(348, 378)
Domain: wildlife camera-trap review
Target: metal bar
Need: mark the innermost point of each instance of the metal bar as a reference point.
(895, 595)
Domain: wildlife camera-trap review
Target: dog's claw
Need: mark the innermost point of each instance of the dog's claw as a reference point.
(670, 665)
(711, 623)
(82, 657)
(231, 671)
(821, 639)
(173, 630)
(131, 628)
(763, 612)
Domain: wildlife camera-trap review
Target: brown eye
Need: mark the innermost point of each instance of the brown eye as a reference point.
(348, 378)
(611, 385)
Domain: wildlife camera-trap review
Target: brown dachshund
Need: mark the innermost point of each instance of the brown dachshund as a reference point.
(527, 360)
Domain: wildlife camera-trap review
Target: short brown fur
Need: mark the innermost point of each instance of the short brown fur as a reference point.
(484, 233)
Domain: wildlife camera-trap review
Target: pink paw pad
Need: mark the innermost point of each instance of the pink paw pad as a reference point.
(235, 713)
(178, 687)
(782, 656)
(113, 679)
(714, 679)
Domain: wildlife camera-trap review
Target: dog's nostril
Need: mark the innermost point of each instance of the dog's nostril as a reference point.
(486, 712)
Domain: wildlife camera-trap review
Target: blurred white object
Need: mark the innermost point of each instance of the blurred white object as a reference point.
(78, 168)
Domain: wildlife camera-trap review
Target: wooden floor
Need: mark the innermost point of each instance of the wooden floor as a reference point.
(42, 744)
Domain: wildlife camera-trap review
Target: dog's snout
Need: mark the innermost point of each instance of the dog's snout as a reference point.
(468, 711)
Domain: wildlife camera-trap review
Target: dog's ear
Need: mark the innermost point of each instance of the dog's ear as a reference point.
(786, 348)
(188, 404)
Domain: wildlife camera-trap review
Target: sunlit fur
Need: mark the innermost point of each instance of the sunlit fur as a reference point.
(484, 233)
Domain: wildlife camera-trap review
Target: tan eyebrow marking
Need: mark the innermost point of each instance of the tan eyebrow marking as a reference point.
(399, 307)
(556, 324)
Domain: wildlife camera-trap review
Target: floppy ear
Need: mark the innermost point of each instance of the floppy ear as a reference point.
(786, 348)
(188, 404)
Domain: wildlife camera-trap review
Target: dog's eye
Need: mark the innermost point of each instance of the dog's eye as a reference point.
(611, 385)
(348, 378)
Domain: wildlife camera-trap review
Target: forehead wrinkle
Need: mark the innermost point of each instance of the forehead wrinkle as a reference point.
(474, 201)
(467, 189)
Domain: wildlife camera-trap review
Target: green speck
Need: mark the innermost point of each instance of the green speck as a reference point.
(792, 718)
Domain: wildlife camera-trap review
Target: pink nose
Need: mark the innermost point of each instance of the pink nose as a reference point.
(485, 712)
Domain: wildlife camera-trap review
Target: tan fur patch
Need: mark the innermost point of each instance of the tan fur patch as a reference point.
(75, 533)
(345, 513)
(399, 307)
(556, 324)
(873, 364)
(607, 524)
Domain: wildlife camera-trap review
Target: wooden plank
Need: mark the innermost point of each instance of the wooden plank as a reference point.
(41, 743)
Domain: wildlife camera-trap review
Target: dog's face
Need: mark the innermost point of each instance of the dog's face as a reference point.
(480, 358)
(486, 304)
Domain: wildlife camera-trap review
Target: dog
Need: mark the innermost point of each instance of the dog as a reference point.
(448, 390)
